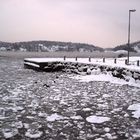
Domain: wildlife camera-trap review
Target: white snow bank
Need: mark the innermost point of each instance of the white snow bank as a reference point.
(136, 110)
(97, 119)
(107, 78)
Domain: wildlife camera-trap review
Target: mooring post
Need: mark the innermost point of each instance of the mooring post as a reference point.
(64, 58)
(89, 59)
(125, 61)
(115, 60)
(76, 58)
(138, 63)
(103, 60)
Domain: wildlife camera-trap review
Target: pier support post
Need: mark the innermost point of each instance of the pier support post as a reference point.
(103, 60)
(125, 61)
(64, 58)
(89, 59)
(115, 60)
(138, 63)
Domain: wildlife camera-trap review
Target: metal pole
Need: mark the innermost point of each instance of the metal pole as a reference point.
(128, 36)
(133, 10)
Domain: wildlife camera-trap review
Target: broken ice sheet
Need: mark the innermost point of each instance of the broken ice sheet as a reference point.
(136, 133)
(16, 124)
(97, 119)
(54, 117)
(136, 110)
(9, 132)
(33, 133)
(76, 117)
(87, 109)
(42, 114)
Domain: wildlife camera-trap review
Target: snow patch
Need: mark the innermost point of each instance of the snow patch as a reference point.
(96, 71)
(106, 78)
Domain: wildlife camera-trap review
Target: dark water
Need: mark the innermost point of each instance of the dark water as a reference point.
(54, 106)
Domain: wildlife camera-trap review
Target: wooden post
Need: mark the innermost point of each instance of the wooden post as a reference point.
(76, 58)
(89, 59)
(115, 60)
(103, 60)
(138, 63)
(64, 58)
(125, 61)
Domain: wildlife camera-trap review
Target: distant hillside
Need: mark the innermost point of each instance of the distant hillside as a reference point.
(134, 47)
(48, 46)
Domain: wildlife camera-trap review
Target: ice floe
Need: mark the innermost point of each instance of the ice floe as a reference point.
(136, 134)
(86, 109)
(33, 133)
(54, 117)
(76, 117)
(106, 129)
(10, 132)
(136, 110)
(97, 119)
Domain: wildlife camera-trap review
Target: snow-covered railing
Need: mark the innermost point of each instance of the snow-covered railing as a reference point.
(115, 60)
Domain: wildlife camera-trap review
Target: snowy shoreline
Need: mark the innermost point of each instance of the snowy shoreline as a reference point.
(90, 71)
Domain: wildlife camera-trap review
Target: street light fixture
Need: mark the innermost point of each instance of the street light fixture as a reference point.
(132, 10)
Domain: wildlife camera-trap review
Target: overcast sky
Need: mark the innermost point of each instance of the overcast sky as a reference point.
(103, 23)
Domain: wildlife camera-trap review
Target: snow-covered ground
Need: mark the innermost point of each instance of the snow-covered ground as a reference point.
(53, 106)
(107, 78)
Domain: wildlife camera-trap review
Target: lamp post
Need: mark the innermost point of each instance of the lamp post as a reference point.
(132, 10)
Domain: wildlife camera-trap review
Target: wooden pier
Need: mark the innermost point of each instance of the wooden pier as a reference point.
(44, 64)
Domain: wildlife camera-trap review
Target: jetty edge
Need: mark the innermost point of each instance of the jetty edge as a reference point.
(82, 68)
